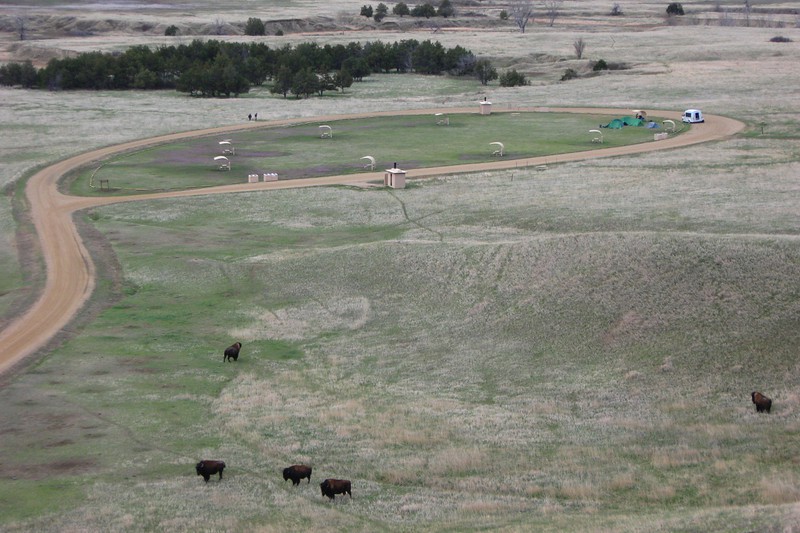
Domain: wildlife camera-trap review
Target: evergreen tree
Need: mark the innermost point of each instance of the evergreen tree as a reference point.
(343, 79)
(401, 9)
(254, 26)
(282, 83)
(446, 9)
(423, 10)
(380, 12)
(304, 83)
(357, 66)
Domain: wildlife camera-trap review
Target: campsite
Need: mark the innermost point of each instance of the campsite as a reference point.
(565, 349)
(300, 151)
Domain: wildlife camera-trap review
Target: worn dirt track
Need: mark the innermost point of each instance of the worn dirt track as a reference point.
(71, 272)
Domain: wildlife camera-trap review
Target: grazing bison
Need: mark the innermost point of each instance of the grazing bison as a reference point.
(762, 402)
(209, 468)
(332, 487)
(232, 352)
(296, 473)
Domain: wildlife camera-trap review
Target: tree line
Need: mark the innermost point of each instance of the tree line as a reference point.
(401, 9)
(214, 68)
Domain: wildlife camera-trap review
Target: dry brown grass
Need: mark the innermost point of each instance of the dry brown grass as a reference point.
(676, 457)
(778, 489)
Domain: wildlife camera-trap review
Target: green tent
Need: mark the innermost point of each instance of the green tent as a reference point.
(630, 121)
(615, 124)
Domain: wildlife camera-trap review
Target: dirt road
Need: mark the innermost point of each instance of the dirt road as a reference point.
(71, 272)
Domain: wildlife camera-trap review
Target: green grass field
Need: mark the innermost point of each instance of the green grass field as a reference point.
(298, 151)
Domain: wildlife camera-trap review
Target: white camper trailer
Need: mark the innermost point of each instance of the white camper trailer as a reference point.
(693, 116)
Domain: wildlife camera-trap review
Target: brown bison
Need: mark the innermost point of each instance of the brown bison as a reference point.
(232, 352)
(209, 468)
(296, 473)
(762, 402)
(332, 487)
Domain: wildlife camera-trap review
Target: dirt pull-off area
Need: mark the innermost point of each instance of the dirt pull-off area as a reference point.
(71, 272)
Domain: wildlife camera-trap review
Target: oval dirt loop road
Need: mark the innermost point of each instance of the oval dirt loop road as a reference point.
(71, 272)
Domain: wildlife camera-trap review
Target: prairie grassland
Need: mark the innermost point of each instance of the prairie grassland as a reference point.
(470, 356)
(564, 350)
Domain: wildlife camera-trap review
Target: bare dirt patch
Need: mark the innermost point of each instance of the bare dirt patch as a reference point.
(36, 472)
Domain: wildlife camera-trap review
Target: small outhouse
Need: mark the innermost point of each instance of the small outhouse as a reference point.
(395, 178)
(486, 107)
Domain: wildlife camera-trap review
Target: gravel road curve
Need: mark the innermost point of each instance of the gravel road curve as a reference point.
(71, 272)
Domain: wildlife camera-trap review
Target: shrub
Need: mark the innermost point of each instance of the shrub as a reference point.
(171, 31)
(484, 71)
(616, 10)
(464, 65)
(218, 27)
(780, 39)
(674, 9)
(366, 11)
(504, 15)
(569, 74)
(600, 65)
(512, 78)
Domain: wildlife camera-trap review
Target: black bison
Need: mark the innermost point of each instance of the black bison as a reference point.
(332, 487)
(232, 352)
(762, 402)
(209, 468)
(296, 473)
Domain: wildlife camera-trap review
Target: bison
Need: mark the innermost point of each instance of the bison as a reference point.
(762, 402)
(332, 487)
(232, 352)
(209, 468)
(296, 473)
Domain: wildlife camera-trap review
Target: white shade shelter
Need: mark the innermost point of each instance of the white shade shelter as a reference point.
(325, 132)
(370, 162)
(671, 124)
(442, 119)
(223, 162)
(598, 138)
(500, 148)
(227, 147)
